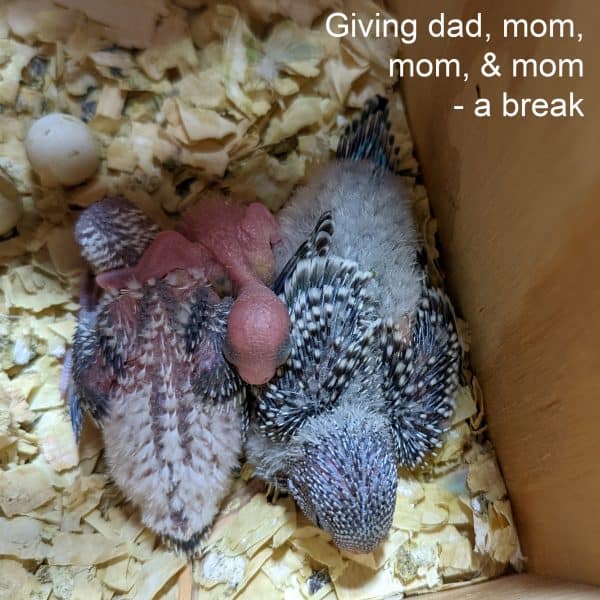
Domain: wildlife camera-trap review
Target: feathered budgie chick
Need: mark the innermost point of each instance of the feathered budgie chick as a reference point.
(147, 364)
(374, 224)
(369, 386)
(233, 243)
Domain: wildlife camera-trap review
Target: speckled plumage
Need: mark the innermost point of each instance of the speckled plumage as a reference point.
(334, 425)
(319, 428)
(374, 225)
(113, 233)
(344, 475)
(173, 435)
(419, 377)
(147, 364)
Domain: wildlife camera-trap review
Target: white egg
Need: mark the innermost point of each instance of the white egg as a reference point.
(11, 207)
(61, 150)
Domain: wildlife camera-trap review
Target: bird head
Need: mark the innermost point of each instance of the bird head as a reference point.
(344, 477)
(258, 334)
(112, 233)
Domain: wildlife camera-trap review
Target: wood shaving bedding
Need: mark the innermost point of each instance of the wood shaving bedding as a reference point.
(179, 101)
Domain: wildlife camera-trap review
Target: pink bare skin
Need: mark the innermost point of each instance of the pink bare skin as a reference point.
(168, 251)
(258, 331)
(241, 238)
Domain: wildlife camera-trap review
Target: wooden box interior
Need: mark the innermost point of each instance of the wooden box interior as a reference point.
(519, 217)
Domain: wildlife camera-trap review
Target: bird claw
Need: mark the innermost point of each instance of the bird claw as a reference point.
(274, 492)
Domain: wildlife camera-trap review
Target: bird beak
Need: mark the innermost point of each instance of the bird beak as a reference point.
(255, 378)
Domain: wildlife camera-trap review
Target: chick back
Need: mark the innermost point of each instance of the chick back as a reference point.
(173, 415)
(319, 428)
(374, 227)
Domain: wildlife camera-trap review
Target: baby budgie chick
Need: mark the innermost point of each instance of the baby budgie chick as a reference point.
(148, 365)
(233, 243)
(369, 386)
(317, 430)
(242, 239)
(374, 225)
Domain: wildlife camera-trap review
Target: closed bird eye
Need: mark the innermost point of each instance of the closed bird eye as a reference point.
(283, 352)
(228, 352)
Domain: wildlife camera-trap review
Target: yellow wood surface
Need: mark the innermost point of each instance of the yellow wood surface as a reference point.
(518, 201)
(520, 587)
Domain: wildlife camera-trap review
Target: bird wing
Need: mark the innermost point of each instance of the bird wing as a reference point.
(369, 137)
(421, 377)
(333, 325)
(101, 347)
(89, 381)
(317, 244)
(205, 327)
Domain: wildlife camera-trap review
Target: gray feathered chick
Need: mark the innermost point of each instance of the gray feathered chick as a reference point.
(371, 210)
(370, 384)
(316, 431)
(147, 364)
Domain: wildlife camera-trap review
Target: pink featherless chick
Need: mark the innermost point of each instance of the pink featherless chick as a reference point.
(168, 251)
(241, 239)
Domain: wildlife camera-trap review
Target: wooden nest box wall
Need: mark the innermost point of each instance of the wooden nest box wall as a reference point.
(518, 208)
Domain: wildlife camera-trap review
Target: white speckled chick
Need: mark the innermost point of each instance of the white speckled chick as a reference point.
(374, 365)
(374, 225)
(148, 365)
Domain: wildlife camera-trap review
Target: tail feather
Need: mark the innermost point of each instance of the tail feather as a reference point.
(191, 547)
(369, 137)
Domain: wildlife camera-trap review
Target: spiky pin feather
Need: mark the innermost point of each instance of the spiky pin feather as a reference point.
(147, 364)
(370, 384)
